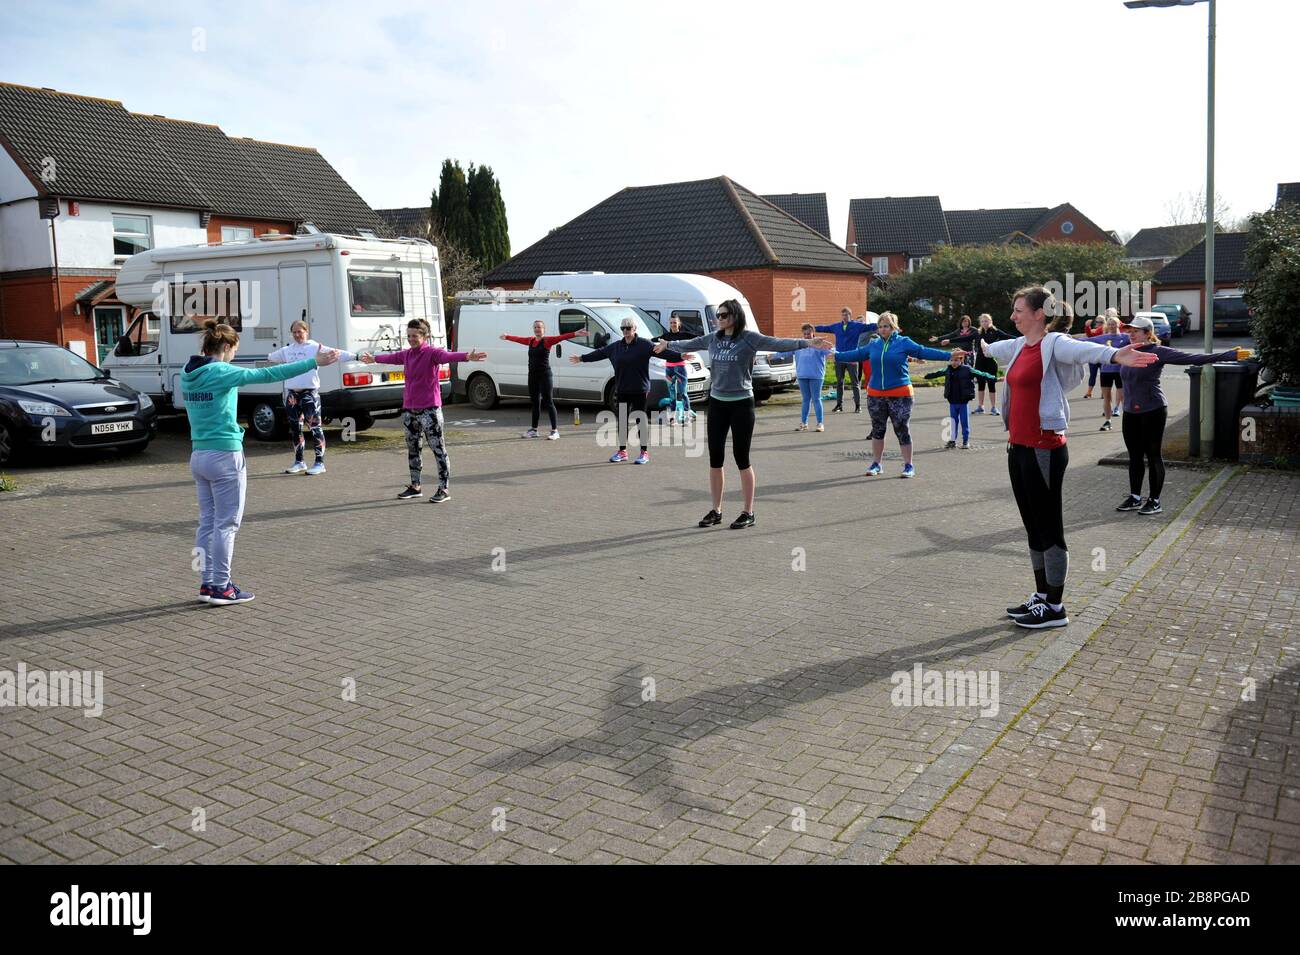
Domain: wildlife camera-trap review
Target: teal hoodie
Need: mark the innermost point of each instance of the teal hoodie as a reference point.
(210, 389)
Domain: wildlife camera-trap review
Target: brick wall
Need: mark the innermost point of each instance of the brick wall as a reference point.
(259, 227)
(1084, 231)
(27, 309)
(814, 297)
(756, 286)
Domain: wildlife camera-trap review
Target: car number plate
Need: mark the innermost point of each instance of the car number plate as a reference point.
(108, 427)
(395, 376)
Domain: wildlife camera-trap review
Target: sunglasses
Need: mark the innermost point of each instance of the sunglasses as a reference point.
(627, 328)
(722, 314)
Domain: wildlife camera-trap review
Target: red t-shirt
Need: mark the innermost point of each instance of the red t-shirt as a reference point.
(1025, 388)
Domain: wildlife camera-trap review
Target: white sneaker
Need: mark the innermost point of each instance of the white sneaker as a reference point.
(530, 433)
(553, 436)
(296, 468)
(821, 427)
(317, 468)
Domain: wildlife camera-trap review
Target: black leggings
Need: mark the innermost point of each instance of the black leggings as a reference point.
(1144, 432)
(736, 417)
(632, 410)
(1037, 477)
(540, 393)
(988, 366)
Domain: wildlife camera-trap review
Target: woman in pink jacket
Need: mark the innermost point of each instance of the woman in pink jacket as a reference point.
(422, 402)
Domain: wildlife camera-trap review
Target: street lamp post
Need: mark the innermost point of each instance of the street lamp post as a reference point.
(1206, 424)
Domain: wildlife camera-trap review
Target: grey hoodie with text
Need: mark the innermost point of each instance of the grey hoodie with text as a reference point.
(731, 360)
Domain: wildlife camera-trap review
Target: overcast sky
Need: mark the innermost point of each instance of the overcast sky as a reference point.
(986, 104)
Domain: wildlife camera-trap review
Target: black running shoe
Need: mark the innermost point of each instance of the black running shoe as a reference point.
(439, 496)
(746, 519)
(1131, 503)
(1041, 616)
(1030, 602)
(1150, 506)
(410, 492)
(711, 519)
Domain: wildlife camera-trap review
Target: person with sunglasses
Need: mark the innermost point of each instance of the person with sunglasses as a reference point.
(731, 400)
(630, 356)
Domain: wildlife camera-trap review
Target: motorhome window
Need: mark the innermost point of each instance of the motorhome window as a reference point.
(646, 326)
(131, 234)
(690, 319)
(574, 320)
(376, 293)
(193, 303)
(234, 233)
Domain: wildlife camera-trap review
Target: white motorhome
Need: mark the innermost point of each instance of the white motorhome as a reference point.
(480, 317)
(694, 299)
(356, 294)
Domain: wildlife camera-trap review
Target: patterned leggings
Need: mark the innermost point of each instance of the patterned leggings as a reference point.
(426, 422)
(304, 406)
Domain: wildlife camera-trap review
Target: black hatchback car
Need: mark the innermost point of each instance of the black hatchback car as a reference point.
(51, 398)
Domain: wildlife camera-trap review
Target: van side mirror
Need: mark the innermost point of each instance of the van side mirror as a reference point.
(125, 347)
(600, 339)
(559, 351)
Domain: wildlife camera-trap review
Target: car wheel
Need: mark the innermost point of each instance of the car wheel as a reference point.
(8, 444)
(482, 393)
(266, 422)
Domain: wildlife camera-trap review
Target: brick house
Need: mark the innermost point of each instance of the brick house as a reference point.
(900, 234)
(789, 273)
(84, 184)
(1154, 248)
(1182, 281)
(808, 207)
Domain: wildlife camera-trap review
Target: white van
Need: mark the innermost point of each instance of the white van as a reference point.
(480, 317)
(694, 299)
(356, 294)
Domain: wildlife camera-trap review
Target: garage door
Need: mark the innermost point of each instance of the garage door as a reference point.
(1190, 298)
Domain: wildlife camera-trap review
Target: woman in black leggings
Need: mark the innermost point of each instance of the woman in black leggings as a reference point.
(731, 400)
(1145, 412)
(541, 383)
(987, 335)
(1043, 365)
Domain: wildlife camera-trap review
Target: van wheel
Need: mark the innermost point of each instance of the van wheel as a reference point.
(266, 421)
(761, 395)
(482, 392)
(611, 402)
(363, 420)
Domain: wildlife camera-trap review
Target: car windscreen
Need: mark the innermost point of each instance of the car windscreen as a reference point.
(646, 326)
(40, 363)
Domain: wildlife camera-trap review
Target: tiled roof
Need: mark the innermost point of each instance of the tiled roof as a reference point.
(808, 207)
(912, 225)
(984, 226)
(1159, 241)
(312, 186)
(88, 148)
(1288, 192)
(220, 169)
(1229, 262)
(102, 152)
(700, 226)
(412, 221)
(91, 291)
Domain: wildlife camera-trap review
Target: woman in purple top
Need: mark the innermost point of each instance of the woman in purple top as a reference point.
(1145, 411)
(1110, 373)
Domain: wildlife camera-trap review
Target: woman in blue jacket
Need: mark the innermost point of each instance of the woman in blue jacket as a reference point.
(889, 390)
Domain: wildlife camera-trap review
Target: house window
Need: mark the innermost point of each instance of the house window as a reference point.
(1067, 227)
(880, 264)
(916, 261)
(235, 233)
(131, 234)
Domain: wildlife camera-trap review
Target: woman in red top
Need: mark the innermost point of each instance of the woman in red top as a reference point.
(541, 384)
(1043, 365)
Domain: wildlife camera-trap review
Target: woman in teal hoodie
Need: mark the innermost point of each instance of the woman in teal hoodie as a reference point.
(209, 385)
(889, 389)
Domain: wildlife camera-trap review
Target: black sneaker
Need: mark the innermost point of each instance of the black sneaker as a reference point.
(746, 519)
(1030, 602)
(836, 410)
(439, 496)
(1041, 616)
(1150, 506)
(1131, 503)
(1105, 425)
(711, 519)
(409, 492)
(950, 445)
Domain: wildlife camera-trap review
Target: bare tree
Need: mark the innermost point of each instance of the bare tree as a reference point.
(461, 272)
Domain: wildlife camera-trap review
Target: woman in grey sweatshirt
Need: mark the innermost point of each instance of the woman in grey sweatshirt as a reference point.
(731, 399)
